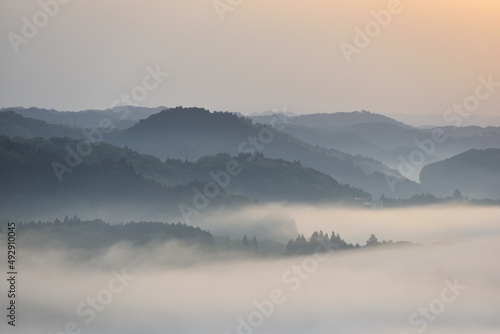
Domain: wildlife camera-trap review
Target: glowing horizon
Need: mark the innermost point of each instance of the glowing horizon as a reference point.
(262, 56)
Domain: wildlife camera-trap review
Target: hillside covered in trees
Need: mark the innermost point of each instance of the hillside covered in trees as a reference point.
(29, 182)
(266, 179)
(50, 174)
(75, 233)
(191, 133)
(95, 234)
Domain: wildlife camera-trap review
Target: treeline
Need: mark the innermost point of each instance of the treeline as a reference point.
(320, 242)
(267, 179)
(243, 246)
(97, 234)
(92, 234)
(428, 199)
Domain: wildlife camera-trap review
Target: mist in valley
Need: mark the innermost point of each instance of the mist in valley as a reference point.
(249, 167)
(446, 282)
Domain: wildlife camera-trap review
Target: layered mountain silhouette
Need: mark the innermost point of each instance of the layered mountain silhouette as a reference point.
(51, 174)
(285, 157)
(383, 138)
(191, 133)
(13, 124)
(334, 120)
(121, 117)
(475, 173)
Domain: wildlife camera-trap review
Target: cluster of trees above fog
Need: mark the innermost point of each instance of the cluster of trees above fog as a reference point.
(321, 242)
(96, 234)
(428, 199)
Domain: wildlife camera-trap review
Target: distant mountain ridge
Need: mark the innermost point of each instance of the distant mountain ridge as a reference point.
(437, 120)
(13, 124)
(191, 133)
(347, 151)
(383, 138)
(324, 120)
(121, 117)
(475, 173)
(341, 119)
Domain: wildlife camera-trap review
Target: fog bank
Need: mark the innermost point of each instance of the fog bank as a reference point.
(444, 288)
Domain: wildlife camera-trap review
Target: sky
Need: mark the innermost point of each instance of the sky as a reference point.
(252, 56)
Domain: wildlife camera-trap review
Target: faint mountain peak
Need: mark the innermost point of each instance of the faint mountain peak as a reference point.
(121, 116)
(273, 112)
(329, 120)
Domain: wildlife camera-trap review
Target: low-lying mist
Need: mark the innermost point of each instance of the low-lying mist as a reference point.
(448, 283)
(421, 225)
(282, 222)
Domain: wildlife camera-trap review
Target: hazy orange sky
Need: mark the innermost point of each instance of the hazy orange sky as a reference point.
(263, 55)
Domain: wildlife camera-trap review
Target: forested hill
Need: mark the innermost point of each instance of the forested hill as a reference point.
(50, 174)
(29, 181)
(95, 234)
(191, 133)
(476, 173)
(265, 179)
(187, 133)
